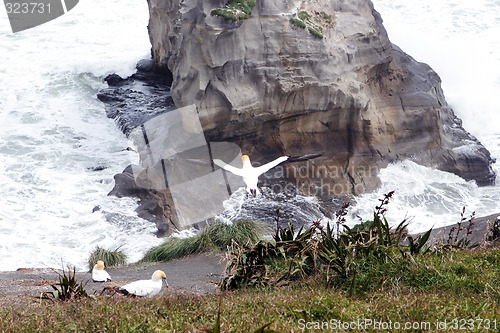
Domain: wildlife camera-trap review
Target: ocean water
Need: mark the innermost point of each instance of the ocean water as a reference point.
(54, 130)
(459, 40)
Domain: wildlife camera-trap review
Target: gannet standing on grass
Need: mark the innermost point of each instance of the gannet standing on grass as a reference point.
(250, 174)
(148, 288)
(99, 274)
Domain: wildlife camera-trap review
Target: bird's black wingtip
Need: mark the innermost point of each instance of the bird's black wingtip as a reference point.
(296, 158)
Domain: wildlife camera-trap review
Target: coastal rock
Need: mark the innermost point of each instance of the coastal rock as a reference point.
(275, 88)
(145, 65)
(136, 99)
(481, 231)
(298, 78)
(114, 80)
(155, 206)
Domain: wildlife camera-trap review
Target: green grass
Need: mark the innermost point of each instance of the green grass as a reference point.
(305, 281)
(304, 16)
(460, 273)
(215, 237)
(359, 259)
(316, 31)
(312, 23)
(298, 23)
(235, 10)
(462, 285)
(110, 257)
(326, 17)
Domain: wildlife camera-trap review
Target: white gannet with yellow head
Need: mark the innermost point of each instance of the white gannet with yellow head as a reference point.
(250, 174)
(99, 274)
(148, 288)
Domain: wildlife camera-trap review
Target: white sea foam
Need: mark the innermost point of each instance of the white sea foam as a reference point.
(459, 39)
(54, 131)
(427, 197)
(293, 206)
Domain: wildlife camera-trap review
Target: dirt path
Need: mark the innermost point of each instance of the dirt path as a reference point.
(197, 273)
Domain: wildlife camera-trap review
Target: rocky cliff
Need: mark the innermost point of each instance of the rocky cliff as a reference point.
(274, 87)
(304, 77)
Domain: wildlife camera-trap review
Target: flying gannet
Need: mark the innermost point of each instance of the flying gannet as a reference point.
(99, 274)
(148, 288)
(250, 174)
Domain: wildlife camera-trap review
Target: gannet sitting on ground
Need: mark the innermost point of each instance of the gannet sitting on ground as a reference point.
(148, 288)
(99, 274)
(250, 174)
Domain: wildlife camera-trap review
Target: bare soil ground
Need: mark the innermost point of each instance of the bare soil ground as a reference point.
(198, 273)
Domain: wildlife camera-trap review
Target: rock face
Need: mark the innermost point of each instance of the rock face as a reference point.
(274, 88)
(311, 77)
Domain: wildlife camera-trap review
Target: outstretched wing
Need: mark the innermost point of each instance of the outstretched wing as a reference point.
(268, 166)
(303, 157)
(232, 169)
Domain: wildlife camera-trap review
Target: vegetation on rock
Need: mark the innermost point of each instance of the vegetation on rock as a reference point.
(313, 23)
(235, 10)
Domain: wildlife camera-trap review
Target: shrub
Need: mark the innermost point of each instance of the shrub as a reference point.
(110, 257)
(67, 288)
(344, 259)
(215, 237)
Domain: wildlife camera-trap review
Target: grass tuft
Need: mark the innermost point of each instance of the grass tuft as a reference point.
(316, 31)
(298, 23)
(215, 237)
(326, 17)
(110, 257)
(68, 288)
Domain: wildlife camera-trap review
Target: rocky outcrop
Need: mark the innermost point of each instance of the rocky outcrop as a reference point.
(134, 100)
(304, 77)
(272, 87)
